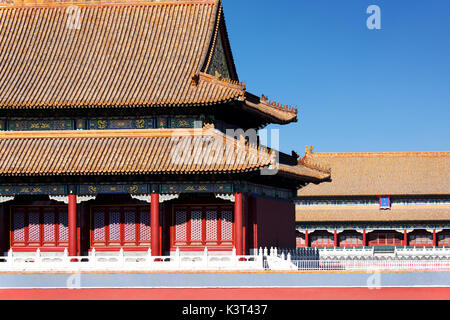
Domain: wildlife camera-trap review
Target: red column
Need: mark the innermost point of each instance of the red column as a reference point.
(434, 238)
(335, 238)
(238, 222)
(154, 224)
(364, 238)
(72, 225)
(405, 238)
(307, 238)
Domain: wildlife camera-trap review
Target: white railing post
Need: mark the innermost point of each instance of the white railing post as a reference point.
(38, 257)
(178, 258)
(121, 258)
(66, 257)
(149, 255)
(261, 258)
(205, 258)
(266, 253)
(10, 256)
(94, 258)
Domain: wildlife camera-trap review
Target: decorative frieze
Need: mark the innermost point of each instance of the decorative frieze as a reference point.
(102, 123)
(40, 124)
(371, 202)
(267, 191)
(170, 190)
(42, 189)
(94, 189)
(126, 123)
(349, 203)
(196, 188)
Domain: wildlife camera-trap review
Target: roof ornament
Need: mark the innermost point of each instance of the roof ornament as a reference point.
(217, 75)
(309, 150)
(208, 126)
(195, 79)
(264, 98)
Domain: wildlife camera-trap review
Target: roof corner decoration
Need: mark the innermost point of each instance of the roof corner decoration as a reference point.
(275, 112)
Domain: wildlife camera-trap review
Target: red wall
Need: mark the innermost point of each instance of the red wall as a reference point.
(4, 230)
(275, 220)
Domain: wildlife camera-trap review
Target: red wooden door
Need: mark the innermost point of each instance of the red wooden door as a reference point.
(444, 239)
(385, 238)
(351, 239)
(420, 238)
(115, 227)
(196, 227)
(322, 239)
(44, 227)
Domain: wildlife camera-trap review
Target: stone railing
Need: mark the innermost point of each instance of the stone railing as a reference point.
(373, 265)
(127, 263)
(368, 253)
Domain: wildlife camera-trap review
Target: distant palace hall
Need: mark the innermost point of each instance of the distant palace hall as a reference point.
(377, 200)
(107, 133)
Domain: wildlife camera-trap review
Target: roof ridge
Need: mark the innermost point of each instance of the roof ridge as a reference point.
(85, 3)
(313, 165)
(370, 154)
(212, 35)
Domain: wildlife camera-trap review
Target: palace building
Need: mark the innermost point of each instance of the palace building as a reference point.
(115, 123)
(377, 200)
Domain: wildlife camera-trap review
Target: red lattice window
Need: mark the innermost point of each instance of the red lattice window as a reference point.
(39, 227)
(300, 240)
(351, 239)
(444, 239)
(200, 226)
(420, 239)
(385, 239)
(322, 239)
(120, 227)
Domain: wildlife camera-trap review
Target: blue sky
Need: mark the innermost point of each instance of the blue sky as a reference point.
(357, 90)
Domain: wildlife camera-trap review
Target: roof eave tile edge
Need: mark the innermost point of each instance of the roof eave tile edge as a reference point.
(85, 3)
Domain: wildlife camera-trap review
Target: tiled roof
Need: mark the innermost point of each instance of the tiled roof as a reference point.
(360, 174)
(151, 151)
(410, 213)
(124, 54)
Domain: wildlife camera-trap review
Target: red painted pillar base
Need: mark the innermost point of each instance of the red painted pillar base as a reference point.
(72, 212)
(154, 225)
(238, 221)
